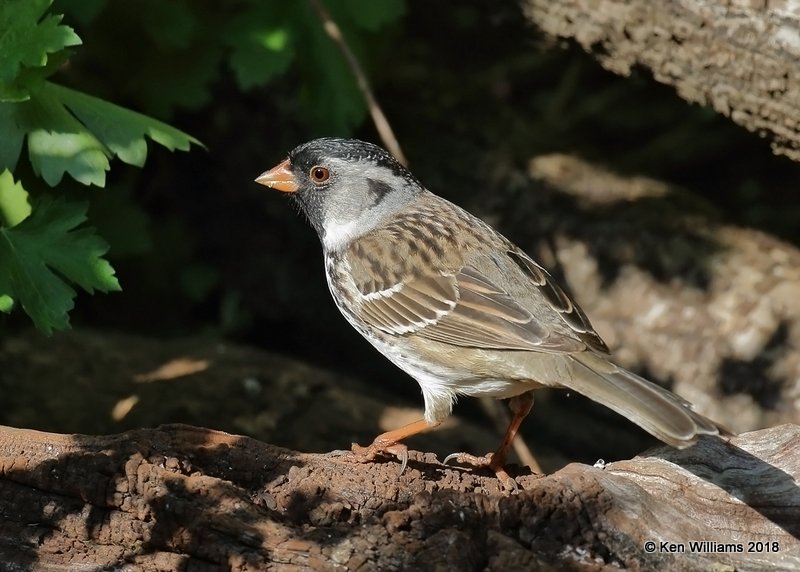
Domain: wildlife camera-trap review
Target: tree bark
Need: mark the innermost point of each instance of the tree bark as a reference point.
(740, 57)
(185, 498)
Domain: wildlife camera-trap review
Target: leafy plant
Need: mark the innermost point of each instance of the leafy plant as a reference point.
(44, 247)
(158, 57)
(44, 253)
(258, 41)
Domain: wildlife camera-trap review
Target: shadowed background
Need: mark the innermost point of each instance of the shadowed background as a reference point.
(673, 227)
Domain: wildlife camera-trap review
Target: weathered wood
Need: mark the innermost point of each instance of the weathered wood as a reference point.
(740, 57)
(184, 498)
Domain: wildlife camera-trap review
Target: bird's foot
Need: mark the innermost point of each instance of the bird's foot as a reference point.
(389, 443)
(490, 461)
(381, 446)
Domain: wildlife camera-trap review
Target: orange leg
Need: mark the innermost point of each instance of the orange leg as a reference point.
(520, 406)
(389, 442)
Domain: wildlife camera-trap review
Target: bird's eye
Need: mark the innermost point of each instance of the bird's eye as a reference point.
(319, 174)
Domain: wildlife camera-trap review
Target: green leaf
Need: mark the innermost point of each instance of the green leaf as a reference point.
(13, 136)
(72, 132)
(261, 54)
(27, 38)
(369, 14)
(157, 55)
(260, 38)
(44, 254)
(58, 143)
(14, 206)
(121, 130)
(30, 80)
(330, 94)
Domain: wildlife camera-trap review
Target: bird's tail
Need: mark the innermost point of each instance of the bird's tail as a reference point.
(658, 411)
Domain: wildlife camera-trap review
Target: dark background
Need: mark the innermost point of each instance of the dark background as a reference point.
(473, 92)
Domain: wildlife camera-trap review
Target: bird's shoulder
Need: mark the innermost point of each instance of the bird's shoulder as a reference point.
(429, 237)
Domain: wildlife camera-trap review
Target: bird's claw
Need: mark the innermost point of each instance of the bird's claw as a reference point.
(488, 460)
(366, 454)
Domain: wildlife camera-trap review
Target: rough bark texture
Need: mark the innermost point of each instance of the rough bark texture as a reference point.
(738, 56)
(184, 498)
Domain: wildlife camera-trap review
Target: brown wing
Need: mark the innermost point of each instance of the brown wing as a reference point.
(410, 307)
(558, 300)
(513, 305)
(465, 309)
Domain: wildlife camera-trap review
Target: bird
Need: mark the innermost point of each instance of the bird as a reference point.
(455, 304)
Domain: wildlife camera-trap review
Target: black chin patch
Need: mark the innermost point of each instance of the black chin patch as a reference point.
(378, 191)
(310, 204)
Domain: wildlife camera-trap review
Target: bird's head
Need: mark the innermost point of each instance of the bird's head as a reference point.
(345, 187)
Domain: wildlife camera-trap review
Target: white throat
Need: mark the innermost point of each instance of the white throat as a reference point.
(338, 235)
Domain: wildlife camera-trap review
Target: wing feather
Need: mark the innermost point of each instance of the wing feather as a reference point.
(465, 309)
(412, 306)
(457, 304)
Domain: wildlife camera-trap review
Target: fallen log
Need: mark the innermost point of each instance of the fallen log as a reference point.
(738, 57)
(184, 498)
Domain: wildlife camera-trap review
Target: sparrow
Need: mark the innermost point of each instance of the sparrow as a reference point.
(455, 304)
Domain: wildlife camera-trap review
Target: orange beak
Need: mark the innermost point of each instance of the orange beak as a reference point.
(279, 177)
